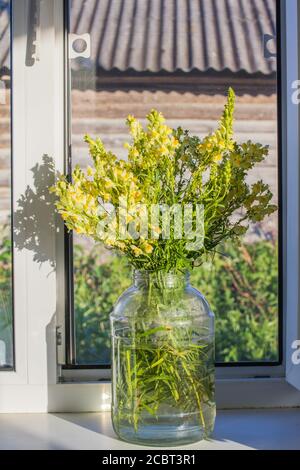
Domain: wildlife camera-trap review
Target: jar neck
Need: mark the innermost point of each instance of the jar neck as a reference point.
(160, 279)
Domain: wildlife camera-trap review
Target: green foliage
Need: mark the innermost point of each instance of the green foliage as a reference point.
(242, 289)
(6, 290)
(97, 287)
(5, 263)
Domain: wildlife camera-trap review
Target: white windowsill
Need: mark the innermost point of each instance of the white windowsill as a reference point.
(239, 429)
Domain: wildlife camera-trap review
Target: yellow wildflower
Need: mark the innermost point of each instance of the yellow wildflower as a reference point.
(136, 250)
(106, 197)
(163, 150)
(90, 171)
(79, 230)
(129, 218)
(208, 146)
(110, 241)
(156, 230)
(154, 134)
(121, 245)
(217, 157)
(135, 153)
(147, 248)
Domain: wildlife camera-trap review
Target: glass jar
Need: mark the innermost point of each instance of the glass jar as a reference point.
(162, 362)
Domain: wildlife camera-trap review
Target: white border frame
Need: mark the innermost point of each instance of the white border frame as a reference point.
(291, 143)
(19, 376)
(38, 128)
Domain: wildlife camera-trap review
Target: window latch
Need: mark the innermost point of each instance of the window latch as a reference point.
(33, 33)
(79, 46)
(60, 345)
(269, 42)
(58, 336)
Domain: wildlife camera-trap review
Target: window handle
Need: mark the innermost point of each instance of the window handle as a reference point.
(33, 33)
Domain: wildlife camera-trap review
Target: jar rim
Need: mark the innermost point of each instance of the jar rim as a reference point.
(160, 272)
(169, 278)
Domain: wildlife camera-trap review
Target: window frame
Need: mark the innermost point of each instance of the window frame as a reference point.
(252, 368)
(40, 294)
(11, 368)
(38, 290)
(264, 369)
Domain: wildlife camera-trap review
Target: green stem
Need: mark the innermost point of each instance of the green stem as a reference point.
(196, 394)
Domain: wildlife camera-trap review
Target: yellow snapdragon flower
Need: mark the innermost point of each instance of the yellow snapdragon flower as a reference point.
(217, 157)
(148, 248)
(136, 250)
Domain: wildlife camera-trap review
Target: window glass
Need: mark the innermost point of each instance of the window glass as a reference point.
(6, 315)
(180, 57)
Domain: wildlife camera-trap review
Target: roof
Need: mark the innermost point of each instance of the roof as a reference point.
(171, 35)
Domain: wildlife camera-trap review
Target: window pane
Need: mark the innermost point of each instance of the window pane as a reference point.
(6, 316)
(179, 56)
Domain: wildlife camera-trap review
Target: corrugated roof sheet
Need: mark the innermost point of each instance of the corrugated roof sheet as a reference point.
(170, 35)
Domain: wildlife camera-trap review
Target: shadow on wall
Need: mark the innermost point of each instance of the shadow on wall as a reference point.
(34, 218)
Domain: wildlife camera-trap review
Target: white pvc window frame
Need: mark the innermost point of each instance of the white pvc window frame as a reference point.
(39, 129)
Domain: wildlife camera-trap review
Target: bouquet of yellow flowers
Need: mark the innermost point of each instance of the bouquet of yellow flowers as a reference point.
(166, 169)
